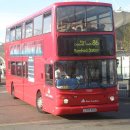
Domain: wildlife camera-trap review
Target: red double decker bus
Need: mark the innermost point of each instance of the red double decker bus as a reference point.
(62, 59)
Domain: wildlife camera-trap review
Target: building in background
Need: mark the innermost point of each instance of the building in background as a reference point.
(2, 61)
(122, 25)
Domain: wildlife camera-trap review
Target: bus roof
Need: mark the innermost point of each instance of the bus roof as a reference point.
(55, 5)
(81, 3)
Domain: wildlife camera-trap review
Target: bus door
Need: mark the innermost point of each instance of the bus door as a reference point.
(16, 70)
(35, 79)
(26, 83)
(49, 88)
(29, 80)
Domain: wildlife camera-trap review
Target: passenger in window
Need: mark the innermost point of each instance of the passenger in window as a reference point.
(60, 73)
(88, 27)
(101, 27)
(71, 28)
(78, 29)
(74, 28)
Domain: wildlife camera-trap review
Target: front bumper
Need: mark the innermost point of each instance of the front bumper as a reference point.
(80, 109)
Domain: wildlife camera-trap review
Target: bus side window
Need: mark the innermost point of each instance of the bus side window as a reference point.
(38, 25)
(23, 30)
(8, 35)
(47, 22)
(18, 32)
(12, 34)
(49, 74)
(19, 68)
(13, 68)
(25, 70)
(29, 28)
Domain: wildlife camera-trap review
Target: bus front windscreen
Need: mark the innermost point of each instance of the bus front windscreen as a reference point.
(85, 74)
(90, 45)
(84, 18)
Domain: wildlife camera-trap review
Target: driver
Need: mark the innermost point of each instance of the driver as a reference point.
(60, 73)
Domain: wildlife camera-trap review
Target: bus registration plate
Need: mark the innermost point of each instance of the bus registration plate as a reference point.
(89, 110)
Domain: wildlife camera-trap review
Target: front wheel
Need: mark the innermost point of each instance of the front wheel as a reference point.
(39, 102)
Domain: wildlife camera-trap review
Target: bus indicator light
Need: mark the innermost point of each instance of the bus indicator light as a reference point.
(112, 98)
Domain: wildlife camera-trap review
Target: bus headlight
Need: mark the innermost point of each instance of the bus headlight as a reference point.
(66, 101)
(112, 98)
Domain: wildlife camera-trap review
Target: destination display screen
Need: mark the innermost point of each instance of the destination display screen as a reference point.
(99, 45)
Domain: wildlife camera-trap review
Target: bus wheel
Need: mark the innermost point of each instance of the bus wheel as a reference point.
(13, 92)
(39, 102)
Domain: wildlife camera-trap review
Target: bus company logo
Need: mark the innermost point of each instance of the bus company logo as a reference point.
(83, 101)
(48, 91)
(48, 94)
(89, 101)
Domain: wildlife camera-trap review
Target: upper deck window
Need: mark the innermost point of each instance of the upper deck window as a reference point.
(47, 22)
(7, 35)
(18, 32)
(38, 25)
(84, 18)
(12, 34)
(29, 29)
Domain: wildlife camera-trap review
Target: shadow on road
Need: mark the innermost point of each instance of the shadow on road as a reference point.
(123, 113)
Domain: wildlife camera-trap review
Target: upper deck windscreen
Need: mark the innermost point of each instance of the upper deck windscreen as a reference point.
(84, 18)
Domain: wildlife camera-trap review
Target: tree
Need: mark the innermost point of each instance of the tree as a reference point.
(2, 50)
(123, 35)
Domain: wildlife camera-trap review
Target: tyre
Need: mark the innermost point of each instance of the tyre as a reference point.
(39, 102)
(13, 92)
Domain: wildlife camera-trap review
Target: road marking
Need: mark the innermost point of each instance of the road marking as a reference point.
(65, 121)
(24, 123)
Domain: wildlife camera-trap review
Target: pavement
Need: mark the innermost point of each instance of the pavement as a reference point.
(2, 83)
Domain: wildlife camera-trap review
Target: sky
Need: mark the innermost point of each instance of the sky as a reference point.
(12, 11)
